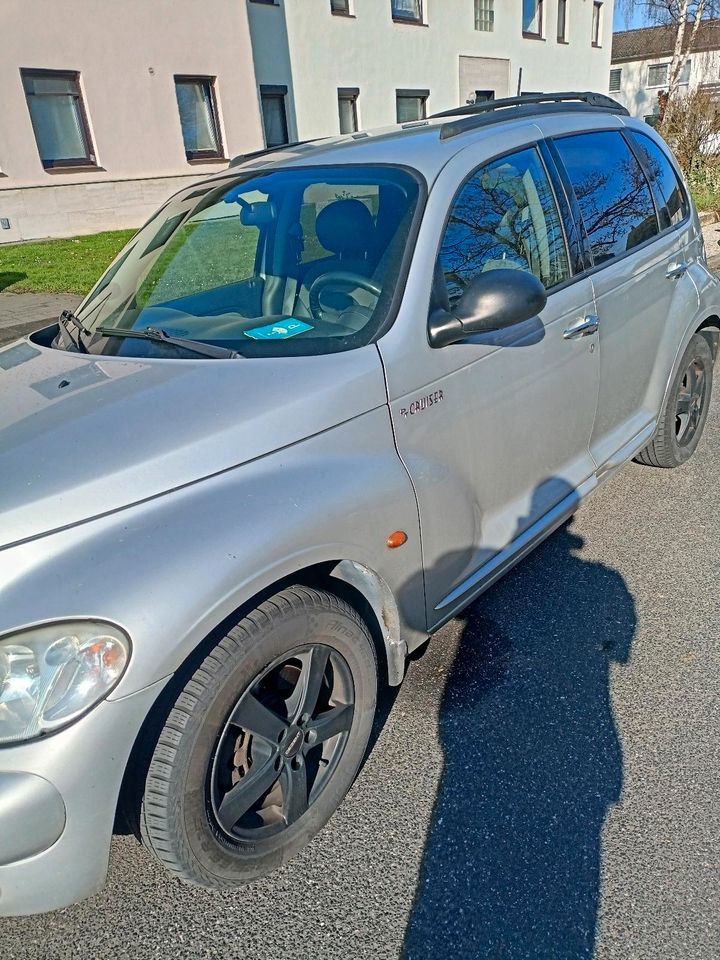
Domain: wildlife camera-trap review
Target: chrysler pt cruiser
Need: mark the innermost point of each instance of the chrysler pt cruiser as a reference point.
(318, 404)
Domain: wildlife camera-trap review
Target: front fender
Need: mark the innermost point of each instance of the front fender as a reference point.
(173, 568)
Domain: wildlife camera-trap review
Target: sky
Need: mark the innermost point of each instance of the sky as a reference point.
(622, 21)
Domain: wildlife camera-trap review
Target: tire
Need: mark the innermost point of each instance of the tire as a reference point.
(280, 710)
(683, 418)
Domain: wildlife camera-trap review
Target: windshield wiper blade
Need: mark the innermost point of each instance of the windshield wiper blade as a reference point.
(158, 335)
(67, 319)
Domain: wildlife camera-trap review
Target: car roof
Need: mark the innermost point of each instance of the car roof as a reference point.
(427, 145)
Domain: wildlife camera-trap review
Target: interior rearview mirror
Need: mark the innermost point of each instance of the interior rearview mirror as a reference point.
(492, 301)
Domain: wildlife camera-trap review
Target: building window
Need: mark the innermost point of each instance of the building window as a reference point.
(596, 17)
(562, 21)
(58, 118)
(485, 15)
(272, 99)
(532, 18)
(340, 7)
(411, 105)
(615, 80)
(657, 74)
(347, 109)
(685, 73)
(198, 117)
(408, 11)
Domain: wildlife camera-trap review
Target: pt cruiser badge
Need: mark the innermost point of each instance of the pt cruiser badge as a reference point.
(417, 406)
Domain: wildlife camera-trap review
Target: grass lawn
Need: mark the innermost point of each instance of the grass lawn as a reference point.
(59, 266)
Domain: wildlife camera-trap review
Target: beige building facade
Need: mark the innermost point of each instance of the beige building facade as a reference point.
(108, 108)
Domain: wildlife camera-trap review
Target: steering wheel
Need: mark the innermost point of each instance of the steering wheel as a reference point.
(333, 278)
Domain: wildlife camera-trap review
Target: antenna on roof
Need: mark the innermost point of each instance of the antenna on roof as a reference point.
(519, 82)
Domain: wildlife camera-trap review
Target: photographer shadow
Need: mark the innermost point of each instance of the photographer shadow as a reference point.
(532, 763)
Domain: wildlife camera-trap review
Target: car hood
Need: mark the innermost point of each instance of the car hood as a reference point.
(83, 435)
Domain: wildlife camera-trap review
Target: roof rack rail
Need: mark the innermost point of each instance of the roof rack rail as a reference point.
(508, 108)
(244, 157)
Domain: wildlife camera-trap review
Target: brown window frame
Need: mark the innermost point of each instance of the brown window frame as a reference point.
(351, 94)
(562, 37)
(89, 160)
(418, 20)
(199, 156)
(274, 91)
(595, 36)
(527, 34)
(405, 94)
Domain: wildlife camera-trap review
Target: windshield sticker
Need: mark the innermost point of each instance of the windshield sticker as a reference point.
(279, 331)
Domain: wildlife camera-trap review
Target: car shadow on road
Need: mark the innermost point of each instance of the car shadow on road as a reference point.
(532, 763)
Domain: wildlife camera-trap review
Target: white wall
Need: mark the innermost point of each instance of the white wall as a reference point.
(127, 54)
(640, 99)
(371, 52)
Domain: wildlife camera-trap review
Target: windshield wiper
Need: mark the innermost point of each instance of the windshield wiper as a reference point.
(67, 319)
(158, 335)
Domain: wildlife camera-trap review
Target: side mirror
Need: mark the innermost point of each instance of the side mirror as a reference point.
(492, 301)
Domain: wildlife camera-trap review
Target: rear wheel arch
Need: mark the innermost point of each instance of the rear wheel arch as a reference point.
(710, 329)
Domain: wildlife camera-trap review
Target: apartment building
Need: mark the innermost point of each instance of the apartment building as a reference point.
(640, 65)
(329, 66)
(108, 108)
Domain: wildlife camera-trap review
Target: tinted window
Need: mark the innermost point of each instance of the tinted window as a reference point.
(505, 217)
(671, 196)
(611, 189)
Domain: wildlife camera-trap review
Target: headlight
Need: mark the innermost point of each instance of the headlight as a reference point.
(52, 674)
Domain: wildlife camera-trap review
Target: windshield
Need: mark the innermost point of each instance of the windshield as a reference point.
(290, 262)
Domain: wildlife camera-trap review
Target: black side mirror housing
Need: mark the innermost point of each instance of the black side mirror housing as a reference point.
(492, 301)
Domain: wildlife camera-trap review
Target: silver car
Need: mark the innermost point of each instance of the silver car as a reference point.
(319, 403)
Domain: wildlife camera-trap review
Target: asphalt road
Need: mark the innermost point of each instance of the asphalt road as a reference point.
(546, 784)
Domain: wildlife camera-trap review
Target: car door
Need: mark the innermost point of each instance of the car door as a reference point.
(494, 430)
(632, 280)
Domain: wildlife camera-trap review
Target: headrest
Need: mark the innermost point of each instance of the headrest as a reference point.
(346, 227)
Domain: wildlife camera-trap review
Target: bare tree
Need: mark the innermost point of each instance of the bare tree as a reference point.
(683, 15)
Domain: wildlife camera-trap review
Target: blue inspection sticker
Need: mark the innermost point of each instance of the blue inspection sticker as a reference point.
(280, 330)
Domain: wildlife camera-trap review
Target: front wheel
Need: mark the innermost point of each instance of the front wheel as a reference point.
(263, 742)
(683, 418)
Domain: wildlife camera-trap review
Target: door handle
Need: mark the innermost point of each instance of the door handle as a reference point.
(583, 327)
(676, 270)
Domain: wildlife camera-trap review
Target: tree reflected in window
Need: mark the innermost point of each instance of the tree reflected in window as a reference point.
(505, 217)
(611, 189)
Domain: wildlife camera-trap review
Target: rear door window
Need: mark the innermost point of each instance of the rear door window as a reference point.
(670, 194)
(612, 192)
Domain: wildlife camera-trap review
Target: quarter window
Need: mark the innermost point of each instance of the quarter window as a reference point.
(612, 192)
(198, 117)
(485, 15)
(671, 199)
(58, 118)
(411, 105)
(505, 217)
(532, 17)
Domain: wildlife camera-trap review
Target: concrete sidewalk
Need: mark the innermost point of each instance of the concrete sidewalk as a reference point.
(20, 313)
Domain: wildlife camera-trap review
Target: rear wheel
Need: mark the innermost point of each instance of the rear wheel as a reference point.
(683, 418)
(263, 742)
